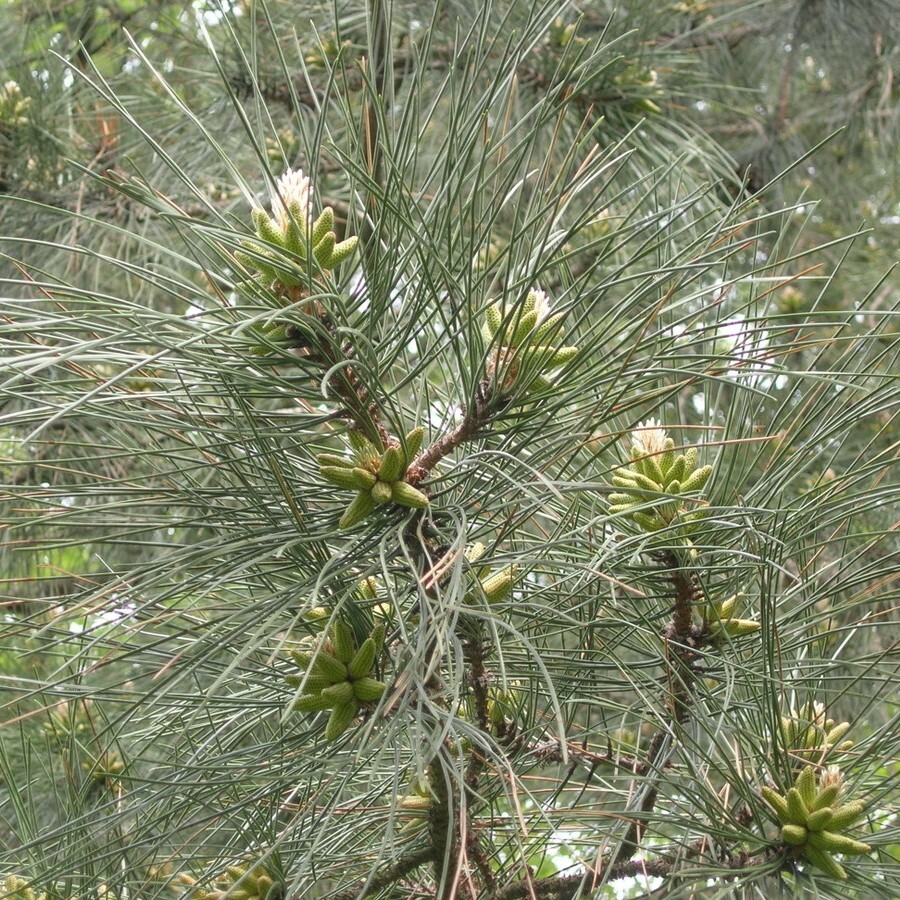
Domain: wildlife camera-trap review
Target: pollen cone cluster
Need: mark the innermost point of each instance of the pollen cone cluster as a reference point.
(724, 622)
(239, 882)
(292, 236)
(808, 734)
(16, 888)
(494, 587)
(813, 819)
(377, 476)
(338, 676)
(502, 705)
(653, 484)
(521, 358)
(13, 105)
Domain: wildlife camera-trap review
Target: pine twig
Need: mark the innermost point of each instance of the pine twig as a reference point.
(679, 635)
(387, 876)
(479, 678)
(565, 887)
(444, 838)
(482, 860)
(474, 420)
(551, 752)
(330, 354)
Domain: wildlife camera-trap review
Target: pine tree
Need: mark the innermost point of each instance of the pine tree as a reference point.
(439, 456)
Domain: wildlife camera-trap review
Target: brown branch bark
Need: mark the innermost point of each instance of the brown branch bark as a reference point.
(474, 420)
(478, 678)
(680, 654)
(564, 887)
(552, 753)
(444, 836)
(680, 649)
(386, 876)
(482, 861)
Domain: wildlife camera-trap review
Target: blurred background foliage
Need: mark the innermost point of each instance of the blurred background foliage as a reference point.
(709, 189)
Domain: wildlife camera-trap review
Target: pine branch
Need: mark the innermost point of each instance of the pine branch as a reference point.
(478, 680)
(565, 887)
(443, 835)
(475, 419)
(375, 65)
(680, 636)
(702, 39)
(551, 752)
(681, 655)
(385, 877)
(477, 853)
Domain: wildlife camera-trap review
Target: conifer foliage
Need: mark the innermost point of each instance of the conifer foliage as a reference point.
(433, 464)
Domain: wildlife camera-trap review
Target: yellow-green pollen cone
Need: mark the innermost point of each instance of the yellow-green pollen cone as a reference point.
(521, 357)
(337, 676)
(294, 246)
(494, 587)
(13, 106)
(241, 881)
(653, 484)
(813, 819)
(723, 622)
(810, 735)
(377, 476)
(17, 888)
